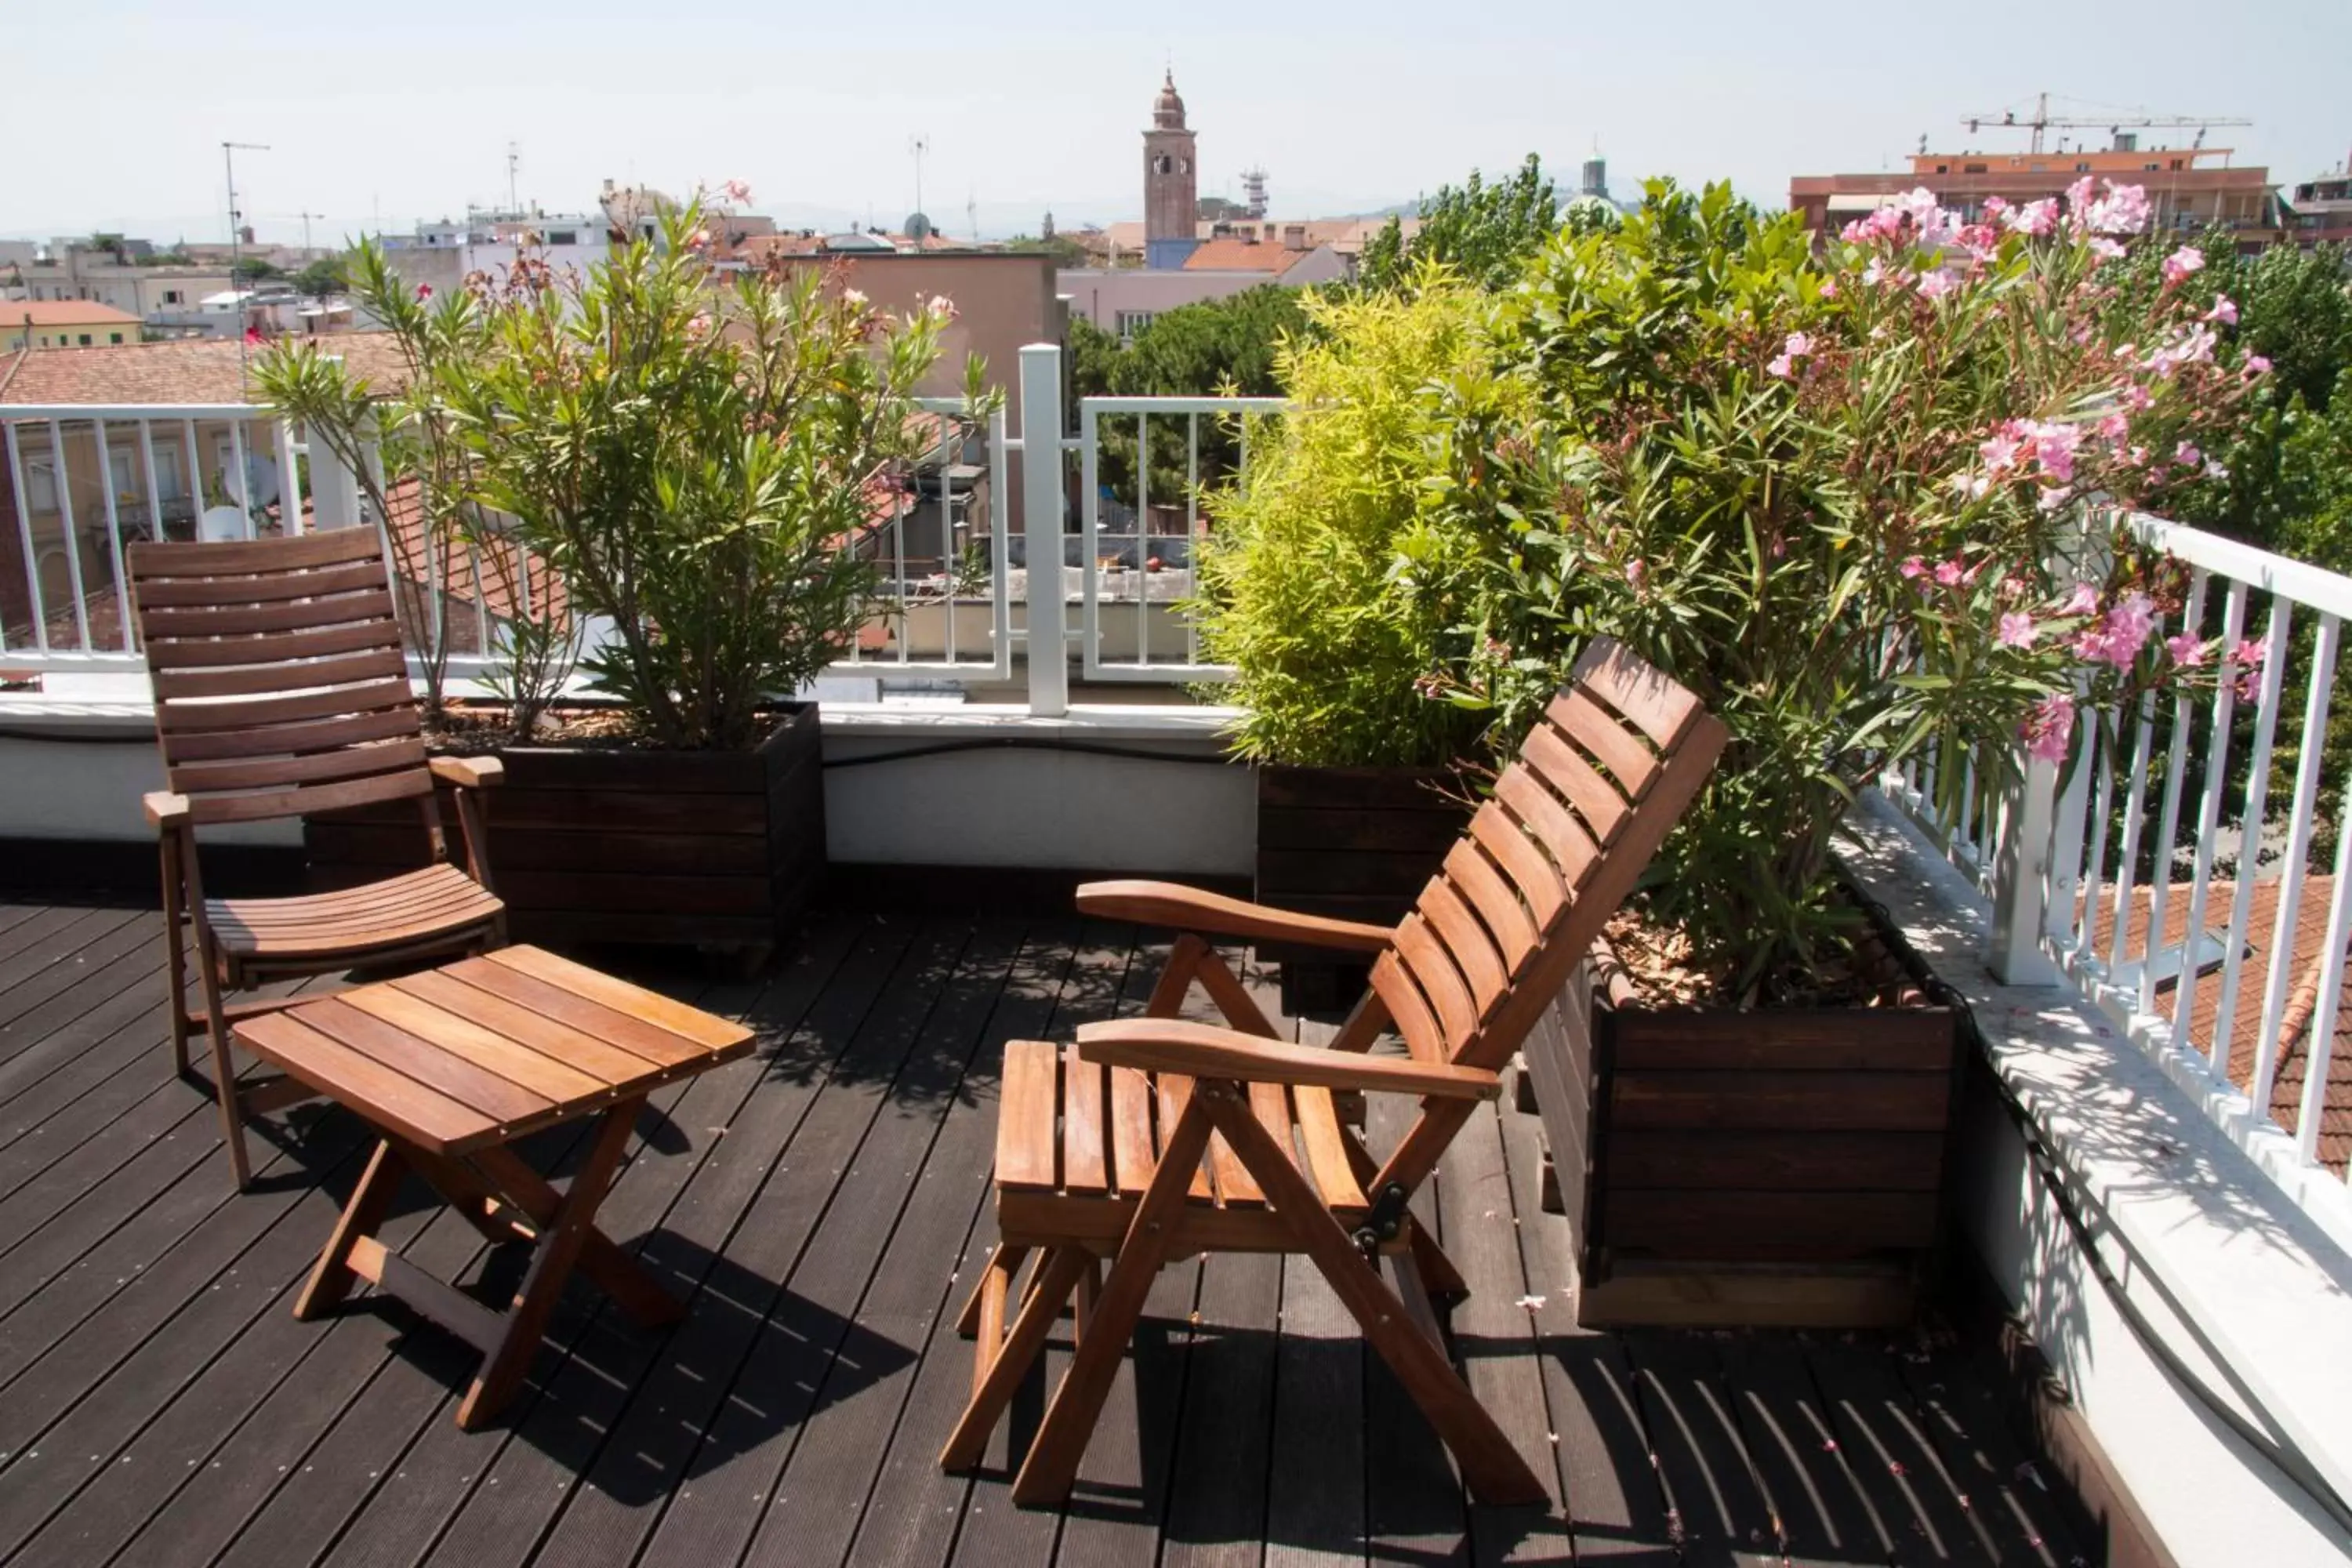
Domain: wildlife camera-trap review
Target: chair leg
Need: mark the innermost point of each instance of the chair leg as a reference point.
(1491, 1468)
(1052, 1466)
(1008, 1364)
(1082, 1313)
(223, 1067)
(175, 956)
(1008, 1259)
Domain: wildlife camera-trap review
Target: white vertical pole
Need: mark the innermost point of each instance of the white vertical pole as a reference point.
(2208, 823)
(73, 543)
(244, 493)
(1142, 536)
(2322, 1031)
(2021, 879)
(1089, 532)
(2250, 835)
(2298, 850)
(1041, 522)
(25, 534)
(289, 483)
(114, 530)
(1000, 548)
(1193, 529)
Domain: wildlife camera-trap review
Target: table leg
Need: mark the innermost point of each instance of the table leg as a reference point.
(559, 1249)
(332, 1279)
(614, 1271)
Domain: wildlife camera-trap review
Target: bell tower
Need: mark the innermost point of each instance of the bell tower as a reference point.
(1171, 182)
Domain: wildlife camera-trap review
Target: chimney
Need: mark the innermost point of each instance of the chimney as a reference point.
(1294, 237)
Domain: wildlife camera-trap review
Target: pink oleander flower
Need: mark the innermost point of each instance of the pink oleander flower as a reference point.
(2123, 209)
(1780, 366)
(1829, 288)
(2187, 454)
(2214, 470)
(2134, 396)
(2181, 264)
(735, 191)
(425, 290)
(2016, 630)
(2078, 201)
(854, 298)
(2106, 249)
(2188, 649)
(2224, 311)
(2121, 634)
(2052, 498)
(2049, 728)
(1937, 284)
(2251, 652)
(1913, 566)
(1635, 572)
(1995, 206)
(942, 307)
(2257, 364)
(1949, 572)
(2034, 219)
(2054, 441)
(2083, 601)
(2115, 428)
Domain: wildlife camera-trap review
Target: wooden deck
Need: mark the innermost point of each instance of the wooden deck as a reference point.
(821, 1201)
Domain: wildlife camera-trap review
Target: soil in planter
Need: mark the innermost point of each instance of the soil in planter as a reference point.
(1663, 971)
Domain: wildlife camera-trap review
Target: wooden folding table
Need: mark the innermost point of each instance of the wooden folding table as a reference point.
(451, 1066)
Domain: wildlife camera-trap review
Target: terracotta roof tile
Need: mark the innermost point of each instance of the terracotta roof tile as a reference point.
(62, 313)
(1243, 256)
(175, 371)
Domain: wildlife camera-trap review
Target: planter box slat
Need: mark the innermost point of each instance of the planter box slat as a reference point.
(717, 849)
(1873, 1039)
(1782, 1227)
(1397, 877)
(1308, 828)
(1793, 1162)
(1852, 1102)
(1375, 789)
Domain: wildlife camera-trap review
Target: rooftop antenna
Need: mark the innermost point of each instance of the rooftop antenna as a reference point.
(306, 219)
(229, 149)
(919, 145)
(514, 158)
(971, 213)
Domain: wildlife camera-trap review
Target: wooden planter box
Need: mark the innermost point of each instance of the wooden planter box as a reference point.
(1353, 844)
(1718, 1168)
(713, 849)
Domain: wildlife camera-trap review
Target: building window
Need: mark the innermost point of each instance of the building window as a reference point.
(1130, 322)
(171, 295)
(114, 337)
(564, 237)
(1943, 168)
(1972, 169)
(40, 485)
(2082, 168)
(84, 340)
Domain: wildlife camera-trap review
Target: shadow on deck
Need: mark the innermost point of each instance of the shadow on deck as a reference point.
(819, 1202)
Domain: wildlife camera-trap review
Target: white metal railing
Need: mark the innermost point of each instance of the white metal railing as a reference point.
(2173, 876)
(87, 481)
(1133, 581)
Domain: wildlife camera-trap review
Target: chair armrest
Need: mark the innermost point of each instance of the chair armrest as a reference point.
(167, 811)
(468, 773)
(1204, 1050)
(1180, 908)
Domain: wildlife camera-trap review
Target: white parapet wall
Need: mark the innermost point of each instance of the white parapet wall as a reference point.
(2233, 1287)
(1103, 788)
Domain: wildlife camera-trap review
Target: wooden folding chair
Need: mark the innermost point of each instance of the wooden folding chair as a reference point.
(1155, 1139)
(280, 688)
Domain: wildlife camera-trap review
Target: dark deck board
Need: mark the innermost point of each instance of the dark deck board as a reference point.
(823, 1205)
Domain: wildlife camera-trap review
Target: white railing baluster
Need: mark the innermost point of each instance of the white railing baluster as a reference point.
(1143, 537)
(114, 533)
(2285, 921)
(948, 562)
(72, 534)
(2095, 873)
(2249, 833)
(2209, 822)
(1089, 550)
(240, 464)
(2134, 819)
(898, 515)
(2160, 887)
(1000, 553)
(2070, 915)
(289, 483)
(34, 607)
(2322, 1031)
(1192, 529)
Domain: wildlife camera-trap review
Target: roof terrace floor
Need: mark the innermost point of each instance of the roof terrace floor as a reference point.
(818, 1203)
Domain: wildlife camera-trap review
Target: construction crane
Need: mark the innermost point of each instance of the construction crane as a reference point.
(2043, 120)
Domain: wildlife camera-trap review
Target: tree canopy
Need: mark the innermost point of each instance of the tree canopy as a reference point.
(1484, 232)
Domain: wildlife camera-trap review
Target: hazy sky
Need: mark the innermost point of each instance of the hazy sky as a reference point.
(114, 112)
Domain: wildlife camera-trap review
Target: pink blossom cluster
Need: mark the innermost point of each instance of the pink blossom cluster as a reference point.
(2049, 726)
(1799, 345)
(2116, 638)
(2118, 209)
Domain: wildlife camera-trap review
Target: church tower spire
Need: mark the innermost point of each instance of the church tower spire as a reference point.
(1170, 181)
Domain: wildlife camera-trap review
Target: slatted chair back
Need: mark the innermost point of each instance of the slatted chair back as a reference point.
(1548, 859)
(280, 684)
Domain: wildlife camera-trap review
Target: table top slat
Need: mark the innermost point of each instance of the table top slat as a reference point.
(650, 1044)
(651, 1006)
(549, 1038)
(559, 1083)
(392, 1100)
(467, 1082)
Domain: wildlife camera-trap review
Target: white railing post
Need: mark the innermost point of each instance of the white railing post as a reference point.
(2022, 878)
(1041, 527)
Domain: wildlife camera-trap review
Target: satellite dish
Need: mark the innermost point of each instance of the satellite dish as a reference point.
(261, 478)
(220, 523)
